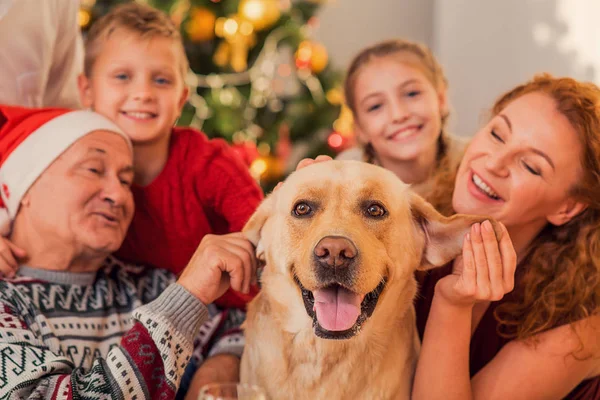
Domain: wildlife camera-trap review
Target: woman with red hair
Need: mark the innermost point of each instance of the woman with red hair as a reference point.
(535, 167)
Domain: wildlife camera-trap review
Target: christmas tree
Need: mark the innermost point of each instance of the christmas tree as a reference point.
(258, 80)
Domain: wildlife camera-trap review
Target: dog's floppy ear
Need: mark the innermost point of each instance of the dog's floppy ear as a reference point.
(443, 235)
(253, 227)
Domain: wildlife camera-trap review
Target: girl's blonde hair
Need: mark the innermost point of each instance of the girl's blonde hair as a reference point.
(433, 71)
(430, 66)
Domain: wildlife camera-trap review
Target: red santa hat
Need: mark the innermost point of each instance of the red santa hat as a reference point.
(30, 140)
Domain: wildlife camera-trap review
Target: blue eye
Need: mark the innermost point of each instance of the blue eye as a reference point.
(413, 93)
(162, 81)
(122, 77)
(373, 107)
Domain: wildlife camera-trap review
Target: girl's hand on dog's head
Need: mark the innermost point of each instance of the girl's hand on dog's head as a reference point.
(305, 162)
(308, 161)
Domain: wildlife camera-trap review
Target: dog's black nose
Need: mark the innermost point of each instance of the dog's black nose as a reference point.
(335, 251)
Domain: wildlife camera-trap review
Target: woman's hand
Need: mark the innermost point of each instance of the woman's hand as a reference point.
(486, 270)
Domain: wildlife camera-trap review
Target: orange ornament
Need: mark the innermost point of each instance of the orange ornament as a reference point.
(311, 55)
(201, 25)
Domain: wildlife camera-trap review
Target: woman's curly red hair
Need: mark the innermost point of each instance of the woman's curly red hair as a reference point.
(559, 281)
(560, 278)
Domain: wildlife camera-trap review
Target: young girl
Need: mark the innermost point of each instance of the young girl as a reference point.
(535, 167)
(397, 92)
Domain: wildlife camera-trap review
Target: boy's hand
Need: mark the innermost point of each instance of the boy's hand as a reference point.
(220, 261)
(9, 255)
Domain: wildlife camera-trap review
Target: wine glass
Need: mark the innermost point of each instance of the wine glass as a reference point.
(231, 391)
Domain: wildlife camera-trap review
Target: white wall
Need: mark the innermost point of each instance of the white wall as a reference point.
(489, 46)
(346, 26)
(486, 46)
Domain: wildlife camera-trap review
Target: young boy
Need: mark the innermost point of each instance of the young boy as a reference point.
(186, 186)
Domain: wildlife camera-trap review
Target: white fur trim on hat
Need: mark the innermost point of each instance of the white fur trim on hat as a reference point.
(31, 158)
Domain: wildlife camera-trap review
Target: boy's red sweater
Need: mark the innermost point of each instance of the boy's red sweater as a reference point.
(204, 188)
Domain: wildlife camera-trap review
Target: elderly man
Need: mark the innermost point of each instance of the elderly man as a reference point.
(74, 322)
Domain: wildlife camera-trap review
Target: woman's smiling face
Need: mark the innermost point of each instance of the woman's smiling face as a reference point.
(520, 168)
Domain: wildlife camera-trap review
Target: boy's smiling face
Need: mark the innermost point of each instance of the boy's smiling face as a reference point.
(137, 82)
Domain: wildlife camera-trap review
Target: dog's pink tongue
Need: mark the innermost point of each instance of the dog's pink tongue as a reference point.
(337, 308)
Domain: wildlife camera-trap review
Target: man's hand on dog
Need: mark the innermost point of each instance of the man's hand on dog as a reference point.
(220, 261)
(486, 270)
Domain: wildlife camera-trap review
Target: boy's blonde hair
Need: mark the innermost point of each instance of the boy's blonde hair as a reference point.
(137, 18)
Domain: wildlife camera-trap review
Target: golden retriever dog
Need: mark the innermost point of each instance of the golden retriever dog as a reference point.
(341, 241)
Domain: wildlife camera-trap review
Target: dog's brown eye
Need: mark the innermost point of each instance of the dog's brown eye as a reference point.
(302, 209)
(375, 210)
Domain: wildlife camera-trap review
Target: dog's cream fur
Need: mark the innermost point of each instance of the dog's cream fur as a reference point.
(282, 352)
